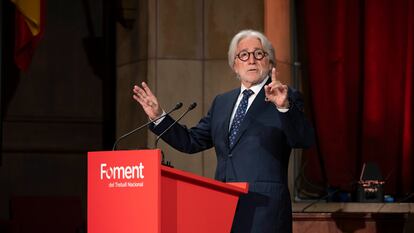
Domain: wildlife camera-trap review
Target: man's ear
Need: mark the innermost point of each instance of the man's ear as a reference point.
(272, 65)
(234, 68)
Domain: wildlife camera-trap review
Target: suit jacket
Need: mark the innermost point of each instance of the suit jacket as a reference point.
(260, 155)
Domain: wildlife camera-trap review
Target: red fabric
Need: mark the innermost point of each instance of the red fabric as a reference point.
(25, 42)
(408, 132)
(360, 69)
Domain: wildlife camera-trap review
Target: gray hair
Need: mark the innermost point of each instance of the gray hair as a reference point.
(267, 46)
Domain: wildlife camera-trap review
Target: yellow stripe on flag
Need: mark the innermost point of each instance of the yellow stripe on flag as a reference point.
(31, 11)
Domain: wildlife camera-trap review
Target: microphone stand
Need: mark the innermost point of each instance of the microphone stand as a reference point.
(177, 106)
(191, 107)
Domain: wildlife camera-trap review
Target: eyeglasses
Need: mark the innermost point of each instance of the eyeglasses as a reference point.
(258, 54)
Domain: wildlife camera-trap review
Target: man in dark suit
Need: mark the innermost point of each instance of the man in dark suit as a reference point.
(252, 129)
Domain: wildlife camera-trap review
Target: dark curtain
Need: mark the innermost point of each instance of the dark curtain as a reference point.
(358, 58)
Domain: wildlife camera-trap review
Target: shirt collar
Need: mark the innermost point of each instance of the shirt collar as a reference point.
(255, 88)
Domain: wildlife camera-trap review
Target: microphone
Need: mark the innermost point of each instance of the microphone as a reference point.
(177, 106)
(191, 107)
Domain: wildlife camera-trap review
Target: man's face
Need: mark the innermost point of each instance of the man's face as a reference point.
(253, 70)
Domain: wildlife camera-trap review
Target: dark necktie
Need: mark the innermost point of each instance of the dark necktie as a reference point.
(239, 116)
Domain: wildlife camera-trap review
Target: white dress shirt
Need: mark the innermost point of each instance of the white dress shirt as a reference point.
(256, 88)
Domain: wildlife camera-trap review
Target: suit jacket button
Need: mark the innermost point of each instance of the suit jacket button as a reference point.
(229, 155)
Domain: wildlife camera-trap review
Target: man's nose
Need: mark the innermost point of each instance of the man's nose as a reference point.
(251, 59)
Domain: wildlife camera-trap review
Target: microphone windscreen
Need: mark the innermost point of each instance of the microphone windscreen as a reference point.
(178, 106)
(192, 106)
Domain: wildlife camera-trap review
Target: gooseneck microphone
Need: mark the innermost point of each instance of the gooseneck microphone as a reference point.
(191, 107)
(177, 106)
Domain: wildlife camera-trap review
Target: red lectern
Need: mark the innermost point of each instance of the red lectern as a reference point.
(129, 191)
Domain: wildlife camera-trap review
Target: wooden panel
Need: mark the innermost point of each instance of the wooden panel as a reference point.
(339, 222)
(278, 30)
(354, 207)
(353, 217)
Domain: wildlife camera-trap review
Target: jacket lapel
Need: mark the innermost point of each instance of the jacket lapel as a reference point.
(228, 111)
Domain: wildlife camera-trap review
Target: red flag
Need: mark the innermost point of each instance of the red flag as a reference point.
(30, 25)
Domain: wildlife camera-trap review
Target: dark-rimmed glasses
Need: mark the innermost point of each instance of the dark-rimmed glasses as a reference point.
(258, 54)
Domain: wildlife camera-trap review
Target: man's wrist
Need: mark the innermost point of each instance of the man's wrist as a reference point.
(283, 108)
(157, 122)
